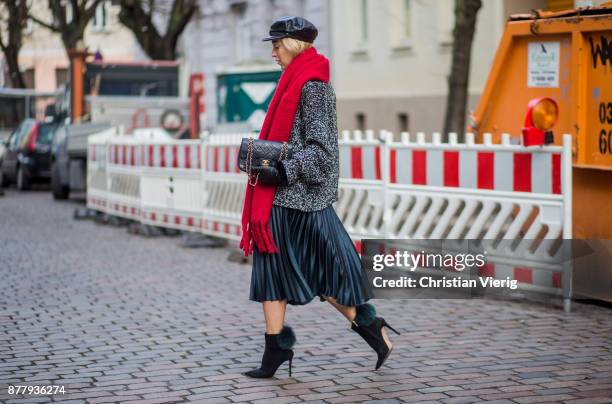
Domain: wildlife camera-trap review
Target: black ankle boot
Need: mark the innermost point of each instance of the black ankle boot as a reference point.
(370, 327)
(277, 351)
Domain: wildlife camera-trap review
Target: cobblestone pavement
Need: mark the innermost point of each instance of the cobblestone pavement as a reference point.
(116, 317)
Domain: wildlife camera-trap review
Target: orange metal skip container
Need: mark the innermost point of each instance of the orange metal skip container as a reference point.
(579, 44)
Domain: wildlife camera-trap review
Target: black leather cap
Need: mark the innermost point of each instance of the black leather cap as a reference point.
(292, 27)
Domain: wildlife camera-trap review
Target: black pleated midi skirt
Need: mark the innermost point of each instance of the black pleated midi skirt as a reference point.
(316, 258)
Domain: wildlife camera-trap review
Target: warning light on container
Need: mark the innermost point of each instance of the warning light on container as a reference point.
(542, 114)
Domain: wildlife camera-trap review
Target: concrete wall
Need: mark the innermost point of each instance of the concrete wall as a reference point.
(425, 113)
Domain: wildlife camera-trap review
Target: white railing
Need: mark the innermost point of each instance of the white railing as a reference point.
(387, 190)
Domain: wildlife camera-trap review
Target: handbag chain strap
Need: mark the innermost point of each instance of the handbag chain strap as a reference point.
(249, 163)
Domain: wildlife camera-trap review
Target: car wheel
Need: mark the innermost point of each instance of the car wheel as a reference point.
(4, 182)
(23, 181)
(59, 191)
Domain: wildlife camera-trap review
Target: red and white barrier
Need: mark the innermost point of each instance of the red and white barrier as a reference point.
(360, 190)
(387, 189)
(485, 192)
(97, 177)
(224, 185)
(123, 197)
(171, 184)
(486, 166)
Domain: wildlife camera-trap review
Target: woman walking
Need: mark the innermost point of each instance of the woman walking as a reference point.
(300, 247)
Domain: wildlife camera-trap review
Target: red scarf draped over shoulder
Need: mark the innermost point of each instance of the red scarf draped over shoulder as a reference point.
(308, 65)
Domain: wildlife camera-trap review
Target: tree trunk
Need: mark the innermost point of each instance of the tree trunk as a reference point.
(16, 17)
(463, 35)
(71, 38)
(15, 76)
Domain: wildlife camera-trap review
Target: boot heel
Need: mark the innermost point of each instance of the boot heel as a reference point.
(391, 328)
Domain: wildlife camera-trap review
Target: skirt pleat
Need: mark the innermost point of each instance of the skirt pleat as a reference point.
(316, 258)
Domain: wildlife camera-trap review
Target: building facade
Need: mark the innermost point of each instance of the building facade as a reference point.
(390, 59)
(44, 59)
(224, 42)
(391, 72)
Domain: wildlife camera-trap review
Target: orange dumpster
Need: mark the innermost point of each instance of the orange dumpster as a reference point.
(566, 56)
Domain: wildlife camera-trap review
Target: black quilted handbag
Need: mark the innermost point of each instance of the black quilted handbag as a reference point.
(260, 152)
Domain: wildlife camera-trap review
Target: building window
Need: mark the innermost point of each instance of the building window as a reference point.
(445, 16)
(403, 122)
(61, 76)
(243, 32)
(407, 20)
(399, 13)
(28, 78)
(363, 21)
(100, 20)
(360, 121)
(360, 24)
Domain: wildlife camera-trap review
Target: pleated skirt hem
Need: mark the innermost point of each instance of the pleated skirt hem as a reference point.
(316, 258)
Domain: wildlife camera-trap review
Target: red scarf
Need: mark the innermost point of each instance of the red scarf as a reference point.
(308, 65)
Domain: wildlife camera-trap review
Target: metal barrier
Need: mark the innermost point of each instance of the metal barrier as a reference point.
(387, 190)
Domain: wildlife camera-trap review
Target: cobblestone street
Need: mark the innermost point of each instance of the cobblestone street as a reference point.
(117, 317)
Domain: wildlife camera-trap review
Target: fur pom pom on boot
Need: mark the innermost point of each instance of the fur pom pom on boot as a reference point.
(277, 351)
(286, 338)
(366, 313)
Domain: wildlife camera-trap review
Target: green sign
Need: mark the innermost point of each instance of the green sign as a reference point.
(244, 97)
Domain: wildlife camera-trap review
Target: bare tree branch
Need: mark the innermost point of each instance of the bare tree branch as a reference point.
(138, 17)
(71, 31)
(76, 7)
(181, 14)
(44, 24)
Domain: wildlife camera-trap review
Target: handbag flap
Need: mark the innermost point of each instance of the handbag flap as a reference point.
(262, 150)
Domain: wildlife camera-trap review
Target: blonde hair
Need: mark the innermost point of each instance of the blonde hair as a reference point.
(295, 46)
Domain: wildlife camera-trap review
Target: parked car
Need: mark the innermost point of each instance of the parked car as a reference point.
(69, 157)
(26, 158)
(2, 152)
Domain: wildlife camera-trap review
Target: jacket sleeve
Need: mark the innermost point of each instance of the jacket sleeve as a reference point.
(315, 159)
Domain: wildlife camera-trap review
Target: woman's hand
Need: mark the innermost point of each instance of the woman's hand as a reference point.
(270, 174)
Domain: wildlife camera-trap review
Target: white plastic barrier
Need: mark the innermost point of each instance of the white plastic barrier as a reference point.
(360, 203)
(486, 192)
(224, 186)
(171, 184)
(123, 177)
(97, 178)
(387, 190)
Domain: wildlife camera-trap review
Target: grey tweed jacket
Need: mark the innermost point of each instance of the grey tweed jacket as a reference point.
(313, 170)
